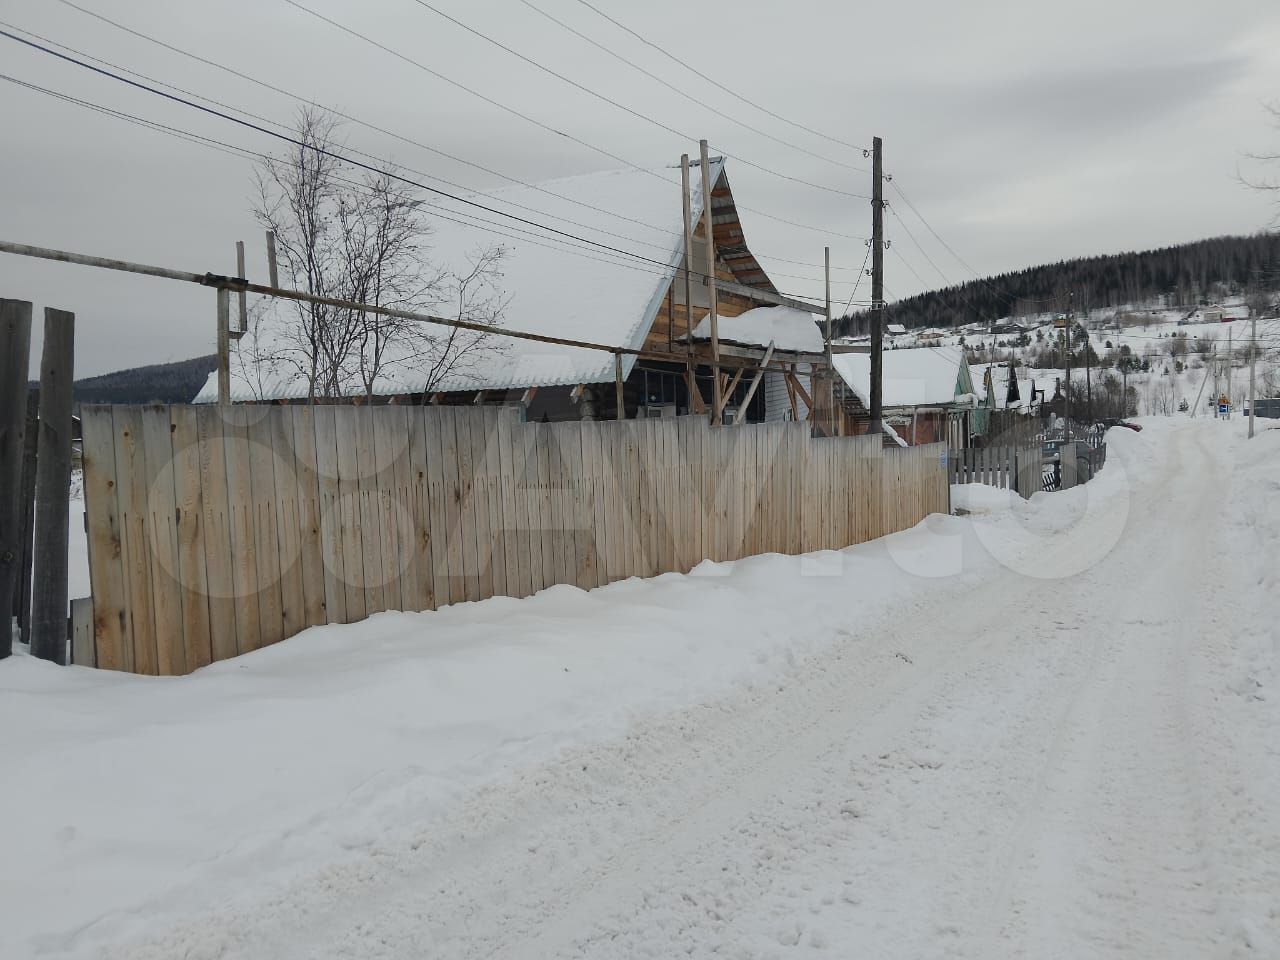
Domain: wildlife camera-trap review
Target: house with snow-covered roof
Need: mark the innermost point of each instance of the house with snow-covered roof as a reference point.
(927, 393)
(569, 290)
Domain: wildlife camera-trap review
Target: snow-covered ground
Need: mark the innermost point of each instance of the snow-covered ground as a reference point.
(1046, 729)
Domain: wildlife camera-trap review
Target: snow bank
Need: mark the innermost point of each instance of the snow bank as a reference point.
(981, 498)
(143, 800)
(144, 797)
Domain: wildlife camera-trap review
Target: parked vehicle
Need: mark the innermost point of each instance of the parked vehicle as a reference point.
(1051, 457)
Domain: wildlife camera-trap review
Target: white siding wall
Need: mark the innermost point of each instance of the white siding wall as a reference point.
(776, 405)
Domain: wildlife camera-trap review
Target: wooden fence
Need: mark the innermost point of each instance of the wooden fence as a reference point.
(216, 532)
(1016, 468)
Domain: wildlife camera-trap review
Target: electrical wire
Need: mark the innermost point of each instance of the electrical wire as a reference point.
(681, 92)
(409, 140)
(696, 72)
(550, 71)
(665, 267)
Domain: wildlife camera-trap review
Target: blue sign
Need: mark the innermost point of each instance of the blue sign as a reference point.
(1224, 409)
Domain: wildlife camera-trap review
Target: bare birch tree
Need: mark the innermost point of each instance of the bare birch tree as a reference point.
(366, 241)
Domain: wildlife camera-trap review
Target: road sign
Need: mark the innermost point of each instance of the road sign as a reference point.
(1224, 409)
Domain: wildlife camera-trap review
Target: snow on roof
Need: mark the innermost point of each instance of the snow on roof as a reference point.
(1000, 385)
(556, 287)
(895, 328)
(785, 327)
(920, 376)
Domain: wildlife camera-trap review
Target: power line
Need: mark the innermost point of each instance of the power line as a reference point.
(861, 273)
(597, 149)
(679, 91)
(716, 83)
(617, 104)
(307, 100)
(665, 267)
(408, 140)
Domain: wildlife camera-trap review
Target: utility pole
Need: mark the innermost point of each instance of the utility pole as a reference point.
(829, 387)
(1253, 359)
(877, 282)
(1066, 420)
(1088, 364)
(716, 387)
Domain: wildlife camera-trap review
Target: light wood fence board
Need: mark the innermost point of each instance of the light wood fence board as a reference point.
(289, 489)
(217, 532)
(189, 521)
(306, 434)
(112, 639)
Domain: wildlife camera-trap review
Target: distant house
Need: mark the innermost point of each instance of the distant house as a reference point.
(927, 392)
(895, 329)
(1002, 388)
(571, 291)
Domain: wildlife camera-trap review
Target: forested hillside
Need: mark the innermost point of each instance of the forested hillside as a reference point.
(159, 383)
(1182, 275)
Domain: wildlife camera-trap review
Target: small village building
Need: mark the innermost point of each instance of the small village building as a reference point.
(927, 393)
(573, 290)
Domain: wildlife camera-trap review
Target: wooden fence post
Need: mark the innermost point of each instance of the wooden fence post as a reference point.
(15, 353)
(22, 599)
(53, 485)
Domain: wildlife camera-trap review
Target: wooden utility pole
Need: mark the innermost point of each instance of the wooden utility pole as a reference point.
(619, 396)
(53, 488)
(15, 353)
(829, 391)
(1253, 359)
(1066, 420)
(242, 297)
(707, 221)
(877, 283)
(224, 346)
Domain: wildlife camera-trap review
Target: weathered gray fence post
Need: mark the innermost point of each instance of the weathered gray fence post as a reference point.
(15, 353)
(53, 486)
(22, 598)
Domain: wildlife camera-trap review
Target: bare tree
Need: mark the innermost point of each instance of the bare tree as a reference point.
(365, 241)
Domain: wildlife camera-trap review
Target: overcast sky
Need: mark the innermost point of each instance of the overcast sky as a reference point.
(1024, 131)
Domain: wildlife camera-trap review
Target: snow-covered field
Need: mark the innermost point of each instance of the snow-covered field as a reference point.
(1045, 729)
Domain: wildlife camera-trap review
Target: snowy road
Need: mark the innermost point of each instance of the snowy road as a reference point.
(1029, 768)
(1002, 766)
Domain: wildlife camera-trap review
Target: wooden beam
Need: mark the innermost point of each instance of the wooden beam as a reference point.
(791, 395)
(575, 395)
(713, 316)
(804, 394)
(15, 351)
(53, 489)
(727, 394)
(436, 398)
(755, 381)
(618, 396)
(479, 398)
(527, 397)
(224, 346)
(242, 297)
(273, 272)
(698, 404)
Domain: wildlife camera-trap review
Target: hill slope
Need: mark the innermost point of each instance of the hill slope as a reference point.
(174, 382)
(1181, 274)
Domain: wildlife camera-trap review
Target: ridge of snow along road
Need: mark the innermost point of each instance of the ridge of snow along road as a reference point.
(205, 815)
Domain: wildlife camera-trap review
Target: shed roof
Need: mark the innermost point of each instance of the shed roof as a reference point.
(557, 287)
(787, 328)
(920, 376)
